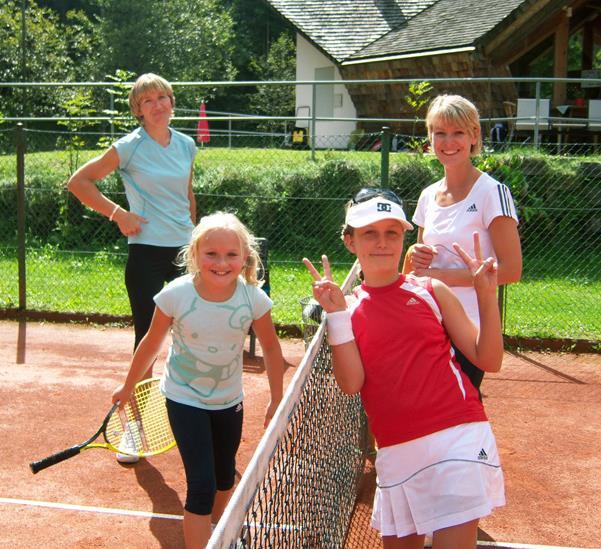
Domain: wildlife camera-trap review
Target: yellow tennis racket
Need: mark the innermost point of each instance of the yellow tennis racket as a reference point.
(143, 419)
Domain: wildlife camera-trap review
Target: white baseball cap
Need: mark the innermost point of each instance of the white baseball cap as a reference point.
(373, 210)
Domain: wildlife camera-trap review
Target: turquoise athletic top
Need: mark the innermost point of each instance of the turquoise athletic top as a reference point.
(156, 185)
(204, 365)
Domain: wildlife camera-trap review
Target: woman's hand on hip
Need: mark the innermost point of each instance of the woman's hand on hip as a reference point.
(129, 223)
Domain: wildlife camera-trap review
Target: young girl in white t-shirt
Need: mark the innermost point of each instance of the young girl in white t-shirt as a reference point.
(464, 201)
(209, 312)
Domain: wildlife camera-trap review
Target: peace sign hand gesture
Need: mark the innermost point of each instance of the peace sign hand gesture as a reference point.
(327, 293)
(484, 271)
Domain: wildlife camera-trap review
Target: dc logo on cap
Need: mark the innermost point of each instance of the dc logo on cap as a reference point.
(383, 207)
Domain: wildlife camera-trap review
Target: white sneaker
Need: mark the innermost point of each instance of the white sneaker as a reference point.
(127, 446)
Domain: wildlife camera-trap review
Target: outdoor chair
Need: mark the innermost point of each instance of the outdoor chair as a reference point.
(594, 115)
(526, 114)
(594, 118)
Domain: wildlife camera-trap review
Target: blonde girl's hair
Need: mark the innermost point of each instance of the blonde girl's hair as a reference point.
(458, 110)
(220, 221)
(145, 83)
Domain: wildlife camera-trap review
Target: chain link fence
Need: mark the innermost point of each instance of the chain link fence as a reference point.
(61, 260)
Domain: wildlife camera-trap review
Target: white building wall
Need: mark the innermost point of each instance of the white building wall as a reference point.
(329, 134)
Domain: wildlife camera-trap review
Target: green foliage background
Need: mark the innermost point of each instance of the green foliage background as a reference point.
(281, 195)
(75, 258)
(183, 40)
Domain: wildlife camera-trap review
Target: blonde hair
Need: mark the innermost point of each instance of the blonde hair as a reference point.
(458, 110)
(145, 83)
(229, 222)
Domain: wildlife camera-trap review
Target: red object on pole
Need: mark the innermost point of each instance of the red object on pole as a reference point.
(203, 135)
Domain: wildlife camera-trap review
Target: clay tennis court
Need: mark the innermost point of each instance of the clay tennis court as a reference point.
(56, 387)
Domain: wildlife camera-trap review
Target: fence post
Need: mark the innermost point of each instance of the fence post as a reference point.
(112, 109)
(384, 156)
(537, 119)
(313, 124)
(21, 216)
(489, 122)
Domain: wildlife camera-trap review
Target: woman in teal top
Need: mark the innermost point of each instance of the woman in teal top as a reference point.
(155, 163)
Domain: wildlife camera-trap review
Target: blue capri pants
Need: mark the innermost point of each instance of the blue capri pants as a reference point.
(207, 441)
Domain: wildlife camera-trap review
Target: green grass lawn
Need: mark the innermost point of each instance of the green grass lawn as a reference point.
(65, 162)
(554, 308)
(93, 283)
(218, 157)
(558, 298)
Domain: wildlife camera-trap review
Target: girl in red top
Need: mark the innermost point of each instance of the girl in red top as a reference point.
(437, 463)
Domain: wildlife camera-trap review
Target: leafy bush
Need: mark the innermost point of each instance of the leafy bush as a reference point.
(298, 205)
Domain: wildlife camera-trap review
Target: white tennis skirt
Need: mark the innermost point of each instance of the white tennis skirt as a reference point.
(440, 480)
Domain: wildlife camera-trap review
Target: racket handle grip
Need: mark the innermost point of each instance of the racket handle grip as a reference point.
(37, 466)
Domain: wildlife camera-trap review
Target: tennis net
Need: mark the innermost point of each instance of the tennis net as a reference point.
(300, 486)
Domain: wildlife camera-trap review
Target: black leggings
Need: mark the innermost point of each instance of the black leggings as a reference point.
(207, 441)
(147, 270)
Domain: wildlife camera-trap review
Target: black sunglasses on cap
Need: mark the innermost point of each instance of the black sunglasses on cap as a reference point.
(367, 193)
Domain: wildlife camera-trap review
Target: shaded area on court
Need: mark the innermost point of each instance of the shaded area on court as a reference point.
(56, 385)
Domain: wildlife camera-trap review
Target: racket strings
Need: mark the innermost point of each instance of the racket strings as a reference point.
(144, 420)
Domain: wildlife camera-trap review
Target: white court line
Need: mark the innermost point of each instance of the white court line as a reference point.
(146, 514)
(508, 545)
(123, 512)
(89, 509)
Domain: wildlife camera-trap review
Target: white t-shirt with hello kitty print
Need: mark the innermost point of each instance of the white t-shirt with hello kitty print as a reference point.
(204, 365)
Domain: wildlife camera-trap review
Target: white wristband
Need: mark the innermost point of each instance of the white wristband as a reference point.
(114, 212)
(340, 328)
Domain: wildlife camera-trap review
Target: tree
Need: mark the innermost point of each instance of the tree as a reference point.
(84, 45)
(46, 58)
(256, 26)
(179, 39)
(63, 7)
(417, 98)
(278, 65)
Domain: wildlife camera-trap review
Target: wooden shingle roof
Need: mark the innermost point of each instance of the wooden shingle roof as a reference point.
(343, 27)
(349, 30)
(446, 24)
